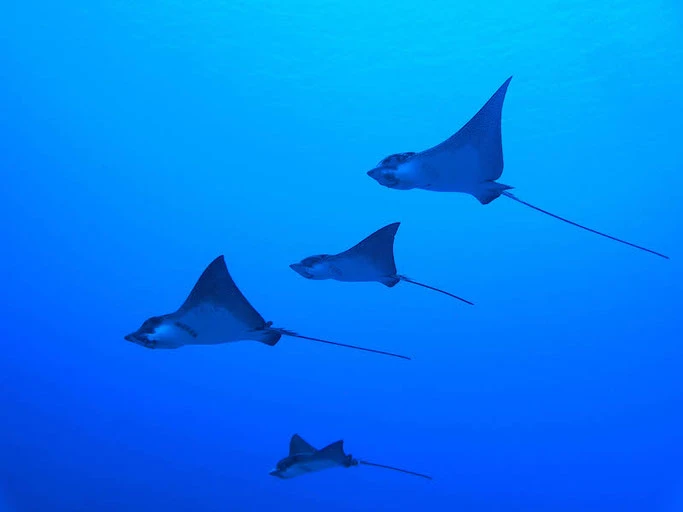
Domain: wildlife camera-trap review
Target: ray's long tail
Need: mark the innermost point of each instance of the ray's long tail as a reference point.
(408, 280)
(515, 198)
(367, 463)
(293, 334)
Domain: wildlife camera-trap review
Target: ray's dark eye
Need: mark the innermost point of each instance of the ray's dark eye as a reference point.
(386, 162)
(313, 260)
(150, 324)
(394, 160)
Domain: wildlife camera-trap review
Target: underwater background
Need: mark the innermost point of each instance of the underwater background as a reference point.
(140, 140)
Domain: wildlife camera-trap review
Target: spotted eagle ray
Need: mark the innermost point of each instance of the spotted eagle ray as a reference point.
(372, 259)
(216, 312)
(470, 161)
(304, 458)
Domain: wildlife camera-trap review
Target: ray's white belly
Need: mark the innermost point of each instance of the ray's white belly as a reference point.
(448, 172)
(210, 325)
(311, 466)
(355, 270)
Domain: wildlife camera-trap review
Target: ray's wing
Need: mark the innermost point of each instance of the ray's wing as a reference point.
(298, 445)
(376, 249)
(215, 286)
(334, 452)
(478, 145)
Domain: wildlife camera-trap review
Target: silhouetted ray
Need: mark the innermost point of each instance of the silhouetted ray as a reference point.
(304, 458)
(216, 312)
(470, 161)
(372, 259)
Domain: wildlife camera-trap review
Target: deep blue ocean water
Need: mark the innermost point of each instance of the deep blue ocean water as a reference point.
(140, 140)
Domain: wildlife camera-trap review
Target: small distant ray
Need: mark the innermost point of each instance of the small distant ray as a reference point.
(216, 312)
(372, 259)
(304, 458)
(470, 161)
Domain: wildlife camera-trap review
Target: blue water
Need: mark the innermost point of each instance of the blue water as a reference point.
(140, 140)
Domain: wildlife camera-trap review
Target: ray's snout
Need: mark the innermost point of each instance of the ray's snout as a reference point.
(300, 269)
(384, 176)
(140, 339)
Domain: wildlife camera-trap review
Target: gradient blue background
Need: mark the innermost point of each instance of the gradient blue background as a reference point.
(139, 140)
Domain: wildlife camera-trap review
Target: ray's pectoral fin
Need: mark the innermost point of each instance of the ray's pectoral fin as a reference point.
(481, 137)
(378, 248)
(489, 190)
(298, 445)
(334, 451)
